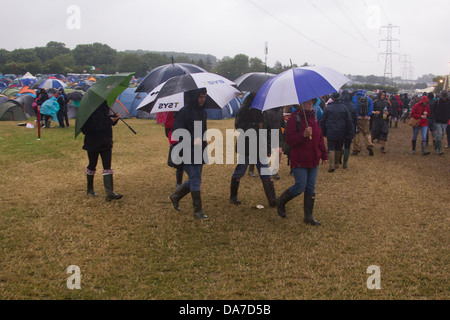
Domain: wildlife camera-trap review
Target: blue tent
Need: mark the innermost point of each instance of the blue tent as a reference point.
(229, 111)
(127, 102)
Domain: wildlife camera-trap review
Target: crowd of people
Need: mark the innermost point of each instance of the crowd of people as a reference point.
(321, 130)
(60, 97)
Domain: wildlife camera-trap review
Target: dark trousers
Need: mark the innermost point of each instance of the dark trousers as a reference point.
(335, 145)
(63, 116)
(106, 156)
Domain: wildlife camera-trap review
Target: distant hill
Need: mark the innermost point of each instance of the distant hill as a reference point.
(193, 56)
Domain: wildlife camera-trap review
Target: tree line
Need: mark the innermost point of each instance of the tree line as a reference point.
(55, 58)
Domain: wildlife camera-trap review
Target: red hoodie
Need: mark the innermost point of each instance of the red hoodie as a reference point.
(419, 109)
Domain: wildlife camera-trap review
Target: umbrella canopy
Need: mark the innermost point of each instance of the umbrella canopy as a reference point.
(169, 96)
(163, 73)
(298, 85)
(75, 95)
(253, 81)
(52, 83)
(106, 89)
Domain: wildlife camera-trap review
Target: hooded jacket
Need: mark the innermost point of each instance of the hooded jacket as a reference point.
(191, 115)
(355, 102)
(336, 123)
(305, 152)
(347, 101)
(419, 109)
(441, 110)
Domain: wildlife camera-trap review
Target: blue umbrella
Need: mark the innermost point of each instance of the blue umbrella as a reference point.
(298, 85)
(52, 83)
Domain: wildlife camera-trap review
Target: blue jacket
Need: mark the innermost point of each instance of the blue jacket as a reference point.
(355, 102)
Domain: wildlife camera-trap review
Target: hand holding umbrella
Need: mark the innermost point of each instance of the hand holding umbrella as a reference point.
(308, 131)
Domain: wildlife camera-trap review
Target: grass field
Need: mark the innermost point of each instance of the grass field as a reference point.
(390, 210)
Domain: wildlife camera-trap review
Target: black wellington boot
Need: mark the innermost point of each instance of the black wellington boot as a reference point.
(346, 157)
(308, 206)
(413, 146)
(269, 190)
(109, 188)
(179, 194)
(282, 200)
(197, 202)
(90, 185)
(234, 187)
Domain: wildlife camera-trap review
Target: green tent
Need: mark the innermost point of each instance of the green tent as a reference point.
(10, 92)
(11, 110)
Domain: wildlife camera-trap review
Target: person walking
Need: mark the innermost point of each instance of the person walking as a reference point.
(336, 125)
(98, 141)
(421, 112)
(307, 148)
(248, 119)
(62, 112)
(441, 115)
(382, 111)
(347, 102)
(192, 115)
(364, 108)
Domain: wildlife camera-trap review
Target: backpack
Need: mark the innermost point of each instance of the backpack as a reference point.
(363, 106)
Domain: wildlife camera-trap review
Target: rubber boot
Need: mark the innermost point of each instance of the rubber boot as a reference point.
(179, 194)
(197, 202)
(413, 145)
(109, 187)
(282, 200)
(269, 190)
(424, 148)
(331, 160)
(179, 177)
(439, 147)
(90, 185)
(346, 157)
(251, 170)
(308, 207)
(337, 158)
(370, 149)
(234, 187)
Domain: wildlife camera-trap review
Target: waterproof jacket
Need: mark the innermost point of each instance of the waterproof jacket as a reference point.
(347, 101)
(336, 123)
(97, 130)
(273, 120)
(441, 111)
(248, 118)
(419, 109)
(355, 102)
(188, 117)
(305, 152)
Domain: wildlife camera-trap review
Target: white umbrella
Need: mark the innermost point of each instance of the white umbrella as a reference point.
(169, 96)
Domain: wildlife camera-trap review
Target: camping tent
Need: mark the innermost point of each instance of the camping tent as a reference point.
(10, 92)
(229, 111)
(11, 110)
(26, 102)
(127, 102)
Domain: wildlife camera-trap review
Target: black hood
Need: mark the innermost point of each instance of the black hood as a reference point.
(345, 96)
(191, 97)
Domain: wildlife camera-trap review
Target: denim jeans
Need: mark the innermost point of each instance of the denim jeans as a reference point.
(240, 170)
(305, 181)
(440, 130)
(423, 133)
(194, 172)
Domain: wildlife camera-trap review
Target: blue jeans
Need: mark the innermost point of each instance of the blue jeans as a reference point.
(305, 181)
(423, 133)
(194, 172)
(240, 170)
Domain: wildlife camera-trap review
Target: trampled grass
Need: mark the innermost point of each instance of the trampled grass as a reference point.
(390, 210)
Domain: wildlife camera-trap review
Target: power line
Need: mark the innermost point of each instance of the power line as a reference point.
(304, 35)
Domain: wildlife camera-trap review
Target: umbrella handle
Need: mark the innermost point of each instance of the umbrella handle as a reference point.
(306, 121)
(128, 126)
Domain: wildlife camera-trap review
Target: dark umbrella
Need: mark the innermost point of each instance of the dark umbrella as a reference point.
(106, 89)
(163, 73)
(75, 95)
(252, 81)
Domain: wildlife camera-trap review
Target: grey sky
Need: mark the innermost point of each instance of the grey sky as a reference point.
(341, 34)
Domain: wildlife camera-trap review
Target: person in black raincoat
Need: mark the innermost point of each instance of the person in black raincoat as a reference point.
(336, 125)
(247, 119)
(382, 111)
(190, 117)
(98, 141)
(347, 102)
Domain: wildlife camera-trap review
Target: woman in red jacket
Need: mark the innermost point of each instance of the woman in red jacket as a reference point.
(307, 148)
(421, 112)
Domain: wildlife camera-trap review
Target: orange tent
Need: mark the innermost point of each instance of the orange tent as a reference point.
(27, 90)
(92, 79)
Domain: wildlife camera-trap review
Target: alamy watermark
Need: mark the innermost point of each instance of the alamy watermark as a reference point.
(74, 281)
(374, 281)
(256, 150)
(73, 22)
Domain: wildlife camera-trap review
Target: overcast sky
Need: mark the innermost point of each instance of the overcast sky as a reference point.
(341, 34)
